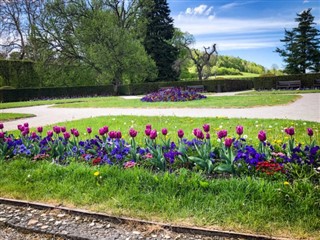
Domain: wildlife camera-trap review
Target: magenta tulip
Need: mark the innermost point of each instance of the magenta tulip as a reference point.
(50, 133)
(63, 129)
(57, 129)
(222, 134)
(118, 135)
(26, 124)
(76, 133)
(66, 135)
(289, 131)
(106, 129)
(133, 133)
(101, 131)
(206, 128)
(147, 131)
(262, 136)
(39, 129)
(180, 133)
(164, 131)
(207, 135)
(89, 130)
(148, 126)
(34, 135)
(20, 127)
(153, 134)
(1, 126)
(310, 132)
(1, 135)
(228, 142)
(239, 130)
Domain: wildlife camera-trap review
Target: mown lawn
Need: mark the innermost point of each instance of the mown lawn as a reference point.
(13, 116)
(210, 102)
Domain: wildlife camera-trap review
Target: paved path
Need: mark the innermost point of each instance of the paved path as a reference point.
(306, 108)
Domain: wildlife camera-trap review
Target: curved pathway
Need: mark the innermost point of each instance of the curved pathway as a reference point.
(306, 108)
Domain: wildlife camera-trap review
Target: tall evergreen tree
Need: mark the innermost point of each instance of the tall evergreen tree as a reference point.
(302, 45)
(158, 44)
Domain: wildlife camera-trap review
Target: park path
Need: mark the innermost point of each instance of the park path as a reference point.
(306, 108)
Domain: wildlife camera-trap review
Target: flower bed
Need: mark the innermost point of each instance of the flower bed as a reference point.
(232, 155)
(173, 95)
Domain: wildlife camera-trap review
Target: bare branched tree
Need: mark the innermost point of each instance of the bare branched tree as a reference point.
(17, 23)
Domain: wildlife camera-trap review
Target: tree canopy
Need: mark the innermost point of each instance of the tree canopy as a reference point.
(302, 45)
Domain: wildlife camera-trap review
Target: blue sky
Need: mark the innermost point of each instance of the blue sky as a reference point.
(249, 29)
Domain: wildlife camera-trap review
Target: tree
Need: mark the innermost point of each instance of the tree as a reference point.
(92, 34)
(302, 45)
(159, 33)
(17, 24)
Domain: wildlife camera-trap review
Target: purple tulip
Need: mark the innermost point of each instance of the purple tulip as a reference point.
(228, 142)
(164, 131)
(147, 131)
(50, 133)
(2, 135)
(200, 134)
(208, 136)
(57, 129)
(20, 127)
(1, 126)
(106, 129)
(133, 133)
(112, 134)
(34, 135)
(180, 133)
(239, 130)
(101, 131)
(222, 134)
(206, 128)
(148, 126)
(153, 134)
(89, 130)
(195, 132)
(262, 136)
(26, 124)
(118, 135)
(26, 130)
(289, 131)
(24, 133)
(39, 129)
(66, 135)
(310, 132)
(76, 133)
(63, 129)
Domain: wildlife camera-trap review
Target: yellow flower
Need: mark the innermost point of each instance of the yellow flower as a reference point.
(286, 183)
(97, 173)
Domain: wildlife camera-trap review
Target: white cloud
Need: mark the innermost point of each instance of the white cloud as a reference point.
(305, 1)
(203, 25)
(235, 4)
(200, 10)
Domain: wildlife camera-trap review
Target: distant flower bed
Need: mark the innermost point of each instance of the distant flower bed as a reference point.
(231, 155)
(173, 95)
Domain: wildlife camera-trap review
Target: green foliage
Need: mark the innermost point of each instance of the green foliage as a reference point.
(302, 44)
(18, 74)
(239, 203)
(159, 33)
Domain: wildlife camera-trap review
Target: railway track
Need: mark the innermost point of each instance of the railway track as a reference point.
(35, 221)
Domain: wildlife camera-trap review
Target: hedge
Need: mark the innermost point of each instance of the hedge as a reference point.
(13, 95)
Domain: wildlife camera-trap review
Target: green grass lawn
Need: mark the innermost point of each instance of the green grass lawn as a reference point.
(277, 92)
(210, 102)
(244, 75)
(13, 116)
(243, 204)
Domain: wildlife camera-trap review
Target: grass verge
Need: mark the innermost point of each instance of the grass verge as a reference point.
(242, 204)
(13, 116)
(210, 102)
(279, 92)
